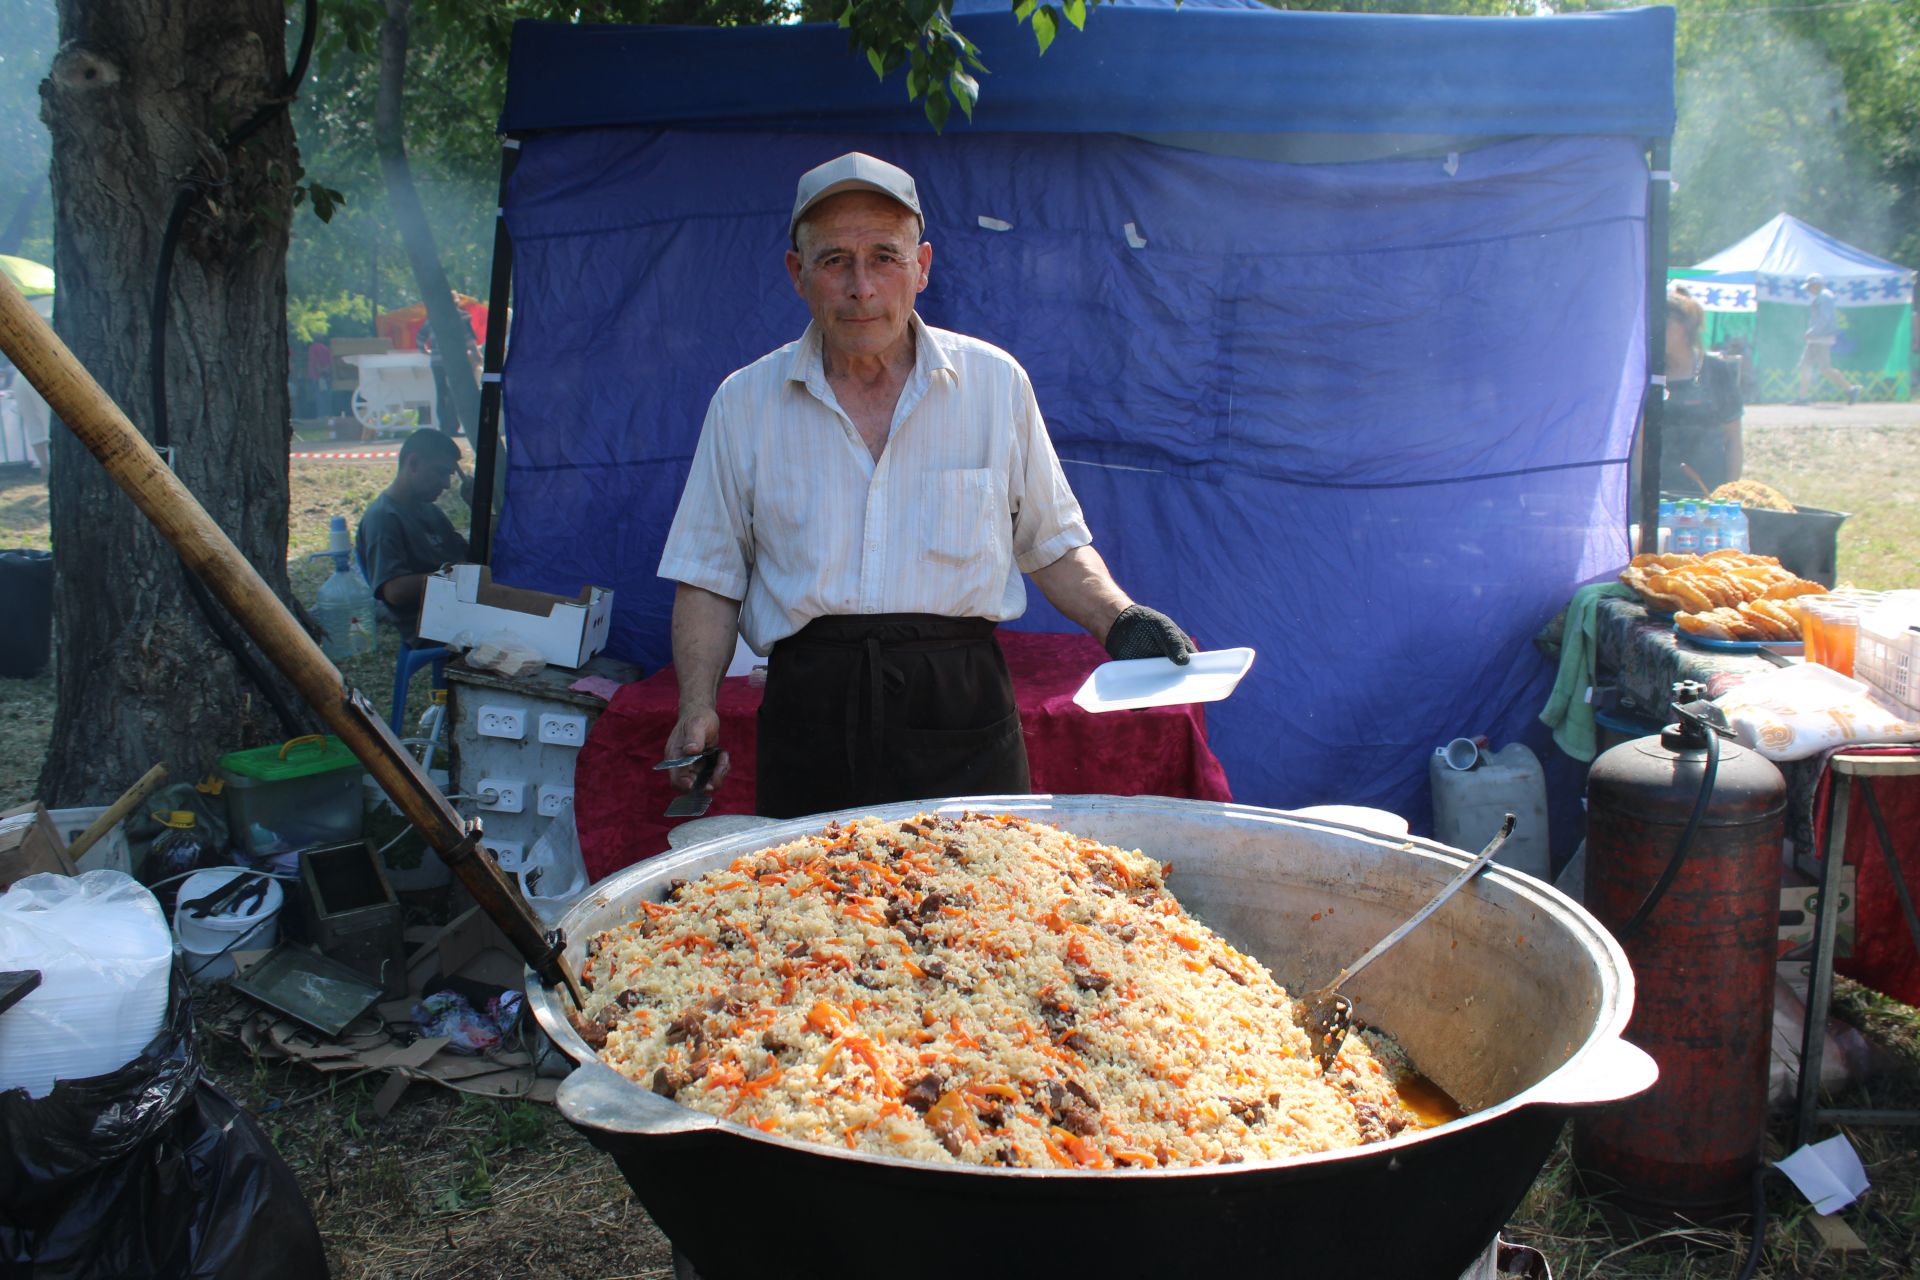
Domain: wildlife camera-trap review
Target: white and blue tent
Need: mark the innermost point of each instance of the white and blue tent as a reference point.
(1753, 289)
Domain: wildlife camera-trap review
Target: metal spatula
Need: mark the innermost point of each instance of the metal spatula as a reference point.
(695, 802)
(1328, 1016)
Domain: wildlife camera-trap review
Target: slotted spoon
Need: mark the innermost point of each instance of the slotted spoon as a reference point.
(1327, 1015)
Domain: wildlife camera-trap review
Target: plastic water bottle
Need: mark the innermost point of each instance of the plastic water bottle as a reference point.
(1738, 529)
(344, 605)
(1712, 528)
(1665, 529)
(1686, 530)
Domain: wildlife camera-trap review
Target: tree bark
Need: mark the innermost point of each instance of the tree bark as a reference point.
(143, 95)
(452, 336)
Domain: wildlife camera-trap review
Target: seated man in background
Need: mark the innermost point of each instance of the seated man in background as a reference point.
(404, 536)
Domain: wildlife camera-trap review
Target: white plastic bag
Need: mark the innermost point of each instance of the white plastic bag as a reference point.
(1794, 712)
(554, 875)
(104, 954)
(503, 653)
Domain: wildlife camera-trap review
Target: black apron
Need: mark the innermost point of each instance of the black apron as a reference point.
(873, 708)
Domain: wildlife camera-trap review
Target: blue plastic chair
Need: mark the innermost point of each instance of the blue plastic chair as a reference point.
(409, 660)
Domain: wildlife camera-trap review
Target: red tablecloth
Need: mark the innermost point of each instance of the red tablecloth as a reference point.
(619, 799)
(1883, 955)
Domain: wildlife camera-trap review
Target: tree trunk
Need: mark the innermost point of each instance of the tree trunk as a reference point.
(144, 94)
(452, 336)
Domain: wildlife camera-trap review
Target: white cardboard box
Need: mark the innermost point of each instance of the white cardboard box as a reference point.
(463, 598)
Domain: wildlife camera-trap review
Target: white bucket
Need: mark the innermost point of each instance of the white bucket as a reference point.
(207, 943)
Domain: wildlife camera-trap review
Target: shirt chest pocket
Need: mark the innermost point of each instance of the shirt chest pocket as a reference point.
(963, 520)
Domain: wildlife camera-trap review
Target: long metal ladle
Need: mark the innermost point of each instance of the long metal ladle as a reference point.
(1327, 1016)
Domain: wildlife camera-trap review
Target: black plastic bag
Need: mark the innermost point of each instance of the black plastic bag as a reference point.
(148, 1171)
(26, 628)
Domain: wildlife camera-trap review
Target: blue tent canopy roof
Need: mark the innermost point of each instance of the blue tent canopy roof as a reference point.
(1144, 69)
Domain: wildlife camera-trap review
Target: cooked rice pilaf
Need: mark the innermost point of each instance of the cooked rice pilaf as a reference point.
(987, 990)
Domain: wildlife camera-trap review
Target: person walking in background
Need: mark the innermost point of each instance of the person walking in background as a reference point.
(1823, 328)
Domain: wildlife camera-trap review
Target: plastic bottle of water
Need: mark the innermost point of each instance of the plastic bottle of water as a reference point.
(1665, 530)
(1738, 528)
(1686, 530)
(344, 604)
(1712, 527)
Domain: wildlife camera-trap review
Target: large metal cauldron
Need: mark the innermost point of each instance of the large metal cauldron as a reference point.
(1511, 998)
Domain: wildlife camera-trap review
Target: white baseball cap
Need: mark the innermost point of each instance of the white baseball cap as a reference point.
(854, 171)
(1815, 278)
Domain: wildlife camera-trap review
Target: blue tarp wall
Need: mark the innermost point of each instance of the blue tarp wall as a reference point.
(1369, 417)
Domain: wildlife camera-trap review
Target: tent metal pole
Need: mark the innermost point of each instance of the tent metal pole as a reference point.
(486, 443)
(1659, 192)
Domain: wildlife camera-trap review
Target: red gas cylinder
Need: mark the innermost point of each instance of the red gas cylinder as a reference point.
(1703, 967)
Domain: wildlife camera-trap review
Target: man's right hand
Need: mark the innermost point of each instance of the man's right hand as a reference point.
(693, 733)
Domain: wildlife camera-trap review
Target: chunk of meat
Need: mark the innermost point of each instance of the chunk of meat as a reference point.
(593, 1031)
(669, 1080)
(1227, 969)
(923, 1093)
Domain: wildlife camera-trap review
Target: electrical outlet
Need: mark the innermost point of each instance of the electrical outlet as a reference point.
(502, 722)
(563, 731)
(510, 854)
(551, 799)
(501, 795)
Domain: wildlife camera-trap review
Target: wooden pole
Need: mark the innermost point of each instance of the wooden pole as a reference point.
(205, 548)
(148, 784)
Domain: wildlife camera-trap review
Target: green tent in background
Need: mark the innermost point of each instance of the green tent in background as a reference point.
(29, 277)
(1752, 293)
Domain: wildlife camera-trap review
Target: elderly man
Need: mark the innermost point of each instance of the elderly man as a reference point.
(1823, 330)
(861, 506)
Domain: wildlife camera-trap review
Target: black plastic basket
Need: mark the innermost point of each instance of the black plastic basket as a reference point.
(1805, 541)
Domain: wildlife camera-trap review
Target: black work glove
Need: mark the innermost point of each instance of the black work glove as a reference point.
(1140, 632)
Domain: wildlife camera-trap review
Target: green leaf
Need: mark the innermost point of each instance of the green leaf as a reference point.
(966, 90)
(916, 84)
(878, 63)
(938, 107)
(1077, 14)
(1044, 27)
(846, 17)
(1024, 10)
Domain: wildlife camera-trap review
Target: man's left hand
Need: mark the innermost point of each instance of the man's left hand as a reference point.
(1140, 632)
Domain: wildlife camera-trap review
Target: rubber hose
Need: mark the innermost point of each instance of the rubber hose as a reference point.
(1700, 803)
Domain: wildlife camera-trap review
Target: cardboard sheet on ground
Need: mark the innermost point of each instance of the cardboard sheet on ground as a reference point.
(469, 947)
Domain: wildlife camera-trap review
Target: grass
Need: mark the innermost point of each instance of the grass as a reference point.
(448, 1185)
(1873, 472)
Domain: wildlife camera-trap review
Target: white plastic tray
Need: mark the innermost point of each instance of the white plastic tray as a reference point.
(1157, 682)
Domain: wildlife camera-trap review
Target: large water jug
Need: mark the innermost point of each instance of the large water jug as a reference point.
(1468, 805)
(344, 605)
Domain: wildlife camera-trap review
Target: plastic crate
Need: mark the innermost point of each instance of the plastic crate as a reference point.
(109, 853)
(1887, 656)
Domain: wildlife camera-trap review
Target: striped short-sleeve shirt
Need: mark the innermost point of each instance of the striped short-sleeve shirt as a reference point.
(786, 511)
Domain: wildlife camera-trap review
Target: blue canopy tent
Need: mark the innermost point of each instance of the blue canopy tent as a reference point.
(1338, 323)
